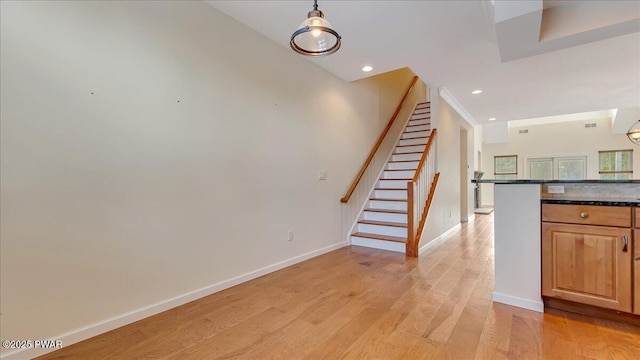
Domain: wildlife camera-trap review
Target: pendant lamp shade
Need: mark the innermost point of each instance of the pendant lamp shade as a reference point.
(634, 133)
(315, 36)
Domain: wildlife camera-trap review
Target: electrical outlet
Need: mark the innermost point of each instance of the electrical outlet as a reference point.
(290, 235)
(322, 175)
(555, 189)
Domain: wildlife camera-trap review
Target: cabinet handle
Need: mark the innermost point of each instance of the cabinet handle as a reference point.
(625, 241)
(637, 258)
(584, 215)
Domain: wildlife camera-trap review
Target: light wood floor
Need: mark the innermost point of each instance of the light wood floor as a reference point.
(359, 303)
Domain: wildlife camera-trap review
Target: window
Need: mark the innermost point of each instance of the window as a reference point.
(505, 167)
(616, 164)
(541, 169)
(558, 168)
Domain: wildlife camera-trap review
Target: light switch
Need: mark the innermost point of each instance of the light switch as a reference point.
(322, 175)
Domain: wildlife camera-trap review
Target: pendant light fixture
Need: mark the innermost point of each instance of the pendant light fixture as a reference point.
(315, 37)
(634, 133)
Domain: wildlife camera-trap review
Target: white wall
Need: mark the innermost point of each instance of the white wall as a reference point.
(152, 149)
(553, 140)
(445, 208)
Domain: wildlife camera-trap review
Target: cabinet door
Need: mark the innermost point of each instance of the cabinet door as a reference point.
(587, 264)
(636, 270)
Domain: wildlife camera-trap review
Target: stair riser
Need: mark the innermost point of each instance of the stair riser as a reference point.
(425, 117)
(380, 216)
(388, 205)
(405, 157)
(419, 122)
(417, 128)
(415, 134)
(404, 174)
(417, 141)
(393, 184)
(391, 194)
(403, 165)
(383, 230)
(379, 244)
(410, 149)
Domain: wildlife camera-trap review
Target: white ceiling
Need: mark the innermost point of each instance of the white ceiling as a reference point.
(588, 58)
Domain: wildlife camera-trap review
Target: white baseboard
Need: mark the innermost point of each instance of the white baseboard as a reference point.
(101, 327)
(438, 239)
(534, 305)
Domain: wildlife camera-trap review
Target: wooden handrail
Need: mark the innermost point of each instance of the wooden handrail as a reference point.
(413, 238)
(426, 152)
(432, 192)
(364, 167)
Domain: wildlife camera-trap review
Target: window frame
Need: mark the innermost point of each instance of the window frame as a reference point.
(615, 172)
(496, 174)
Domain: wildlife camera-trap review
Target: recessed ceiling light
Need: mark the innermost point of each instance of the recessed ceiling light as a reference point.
(367, 68)
(476, 92)
(492, 119)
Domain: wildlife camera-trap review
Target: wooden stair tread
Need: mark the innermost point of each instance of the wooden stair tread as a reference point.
(397, 170)
(383, 199)
(388, 211)
(390, 189)
(380, 237)
(383, 223)
(415, 131)
(419, 137)
(401, 161)
(411, 145)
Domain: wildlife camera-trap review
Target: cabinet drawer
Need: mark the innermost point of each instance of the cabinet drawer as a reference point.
(617, 216)
(637, 211)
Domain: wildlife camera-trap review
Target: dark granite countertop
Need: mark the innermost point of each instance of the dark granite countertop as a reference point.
(523, 181)
(586, 200)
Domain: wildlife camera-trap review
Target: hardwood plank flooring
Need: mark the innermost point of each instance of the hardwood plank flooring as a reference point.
(360, 303)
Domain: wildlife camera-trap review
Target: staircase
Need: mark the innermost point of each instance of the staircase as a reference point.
(383, 222)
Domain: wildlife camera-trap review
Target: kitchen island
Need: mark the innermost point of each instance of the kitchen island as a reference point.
(517, 228)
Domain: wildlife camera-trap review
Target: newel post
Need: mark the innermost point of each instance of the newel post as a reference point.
(411, 248)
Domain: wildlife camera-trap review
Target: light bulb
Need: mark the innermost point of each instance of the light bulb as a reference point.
(316, 33)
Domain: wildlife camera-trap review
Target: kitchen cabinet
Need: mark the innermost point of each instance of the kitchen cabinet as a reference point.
(636, 263)
(587, 255)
